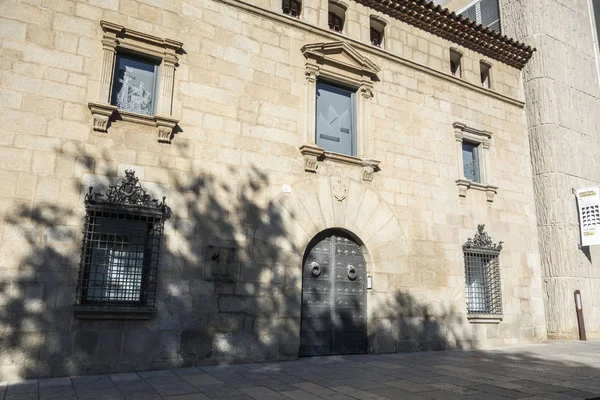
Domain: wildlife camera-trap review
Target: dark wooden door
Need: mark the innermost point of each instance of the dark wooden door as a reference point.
(334, 301)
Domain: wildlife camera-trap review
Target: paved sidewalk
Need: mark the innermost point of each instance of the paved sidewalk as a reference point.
(557, 370)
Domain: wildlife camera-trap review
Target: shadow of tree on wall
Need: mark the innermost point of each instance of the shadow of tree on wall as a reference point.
(404, 324)
(208, 311)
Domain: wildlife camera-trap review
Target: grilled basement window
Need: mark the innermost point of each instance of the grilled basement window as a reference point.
(455, 63)
(292, 8)
(336, 17)
(482, 275)
(120, 252)
(485, 69)
(377, 32)
(134, 84)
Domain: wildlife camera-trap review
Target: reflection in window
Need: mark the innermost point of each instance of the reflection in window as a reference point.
(134, 84)
(335, 129)
(470, 152)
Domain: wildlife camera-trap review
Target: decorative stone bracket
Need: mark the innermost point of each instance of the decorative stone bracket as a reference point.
(464, 185)
(313, 154)
(118, 37)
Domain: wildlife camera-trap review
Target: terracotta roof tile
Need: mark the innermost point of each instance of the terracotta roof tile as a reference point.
(440, 21)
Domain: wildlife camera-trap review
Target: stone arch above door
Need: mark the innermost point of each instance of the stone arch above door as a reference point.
(323, 202)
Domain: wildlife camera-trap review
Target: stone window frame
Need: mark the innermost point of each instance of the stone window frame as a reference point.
(483, 141)
(454, 51)
(339, 63)
(384, 28)
(119, 38)
(490, 78)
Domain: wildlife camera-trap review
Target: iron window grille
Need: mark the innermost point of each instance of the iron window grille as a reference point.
(291, 8)
(121, 246)
(482, 274)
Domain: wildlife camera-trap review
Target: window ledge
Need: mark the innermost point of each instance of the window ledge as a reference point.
(112, 312)
(103, 113)
(465, 184)
(484, 318)
(313, 154)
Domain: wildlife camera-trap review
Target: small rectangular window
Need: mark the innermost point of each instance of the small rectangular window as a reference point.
(336, 17)
(485, 74)
(470, 153)
(335, 119)
(292, 8)
(377, 32)
(455, 63)
(134, 84)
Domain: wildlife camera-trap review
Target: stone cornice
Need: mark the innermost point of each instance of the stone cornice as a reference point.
(442, 22)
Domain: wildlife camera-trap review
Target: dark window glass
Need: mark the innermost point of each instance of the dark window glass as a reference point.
(596, 6)
(485, 75)
(470, 161)
(336, 18)
(335, 128)
(134, 85)
(292, 8)
(455, 63)
(376, 37)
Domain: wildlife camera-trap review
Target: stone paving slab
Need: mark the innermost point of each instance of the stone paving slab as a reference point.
(555, 370)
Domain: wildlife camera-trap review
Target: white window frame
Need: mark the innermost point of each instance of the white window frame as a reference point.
(483, 140)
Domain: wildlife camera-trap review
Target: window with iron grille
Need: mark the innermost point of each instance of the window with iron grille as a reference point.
(482, 274)
(291, 8)
(121, 245)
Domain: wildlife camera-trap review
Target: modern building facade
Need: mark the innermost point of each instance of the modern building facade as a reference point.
(225, 181)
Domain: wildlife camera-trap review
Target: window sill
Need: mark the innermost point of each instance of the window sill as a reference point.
(464, 185)
(314, 154)
(112, 312)
(485, 318)
(104, 113)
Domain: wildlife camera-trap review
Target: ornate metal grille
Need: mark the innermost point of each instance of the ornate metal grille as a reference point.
(482, 273)
(121, 246)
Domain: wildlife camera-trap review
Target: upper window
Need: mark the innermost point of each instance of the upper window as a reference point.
(336, 17)
(134, 84)
(482, 274)
(121, 243)
(484, 12)
(455, 63)
(485, 71)
(292, 8)
(336, 128)
(471, 167)
(377, 32)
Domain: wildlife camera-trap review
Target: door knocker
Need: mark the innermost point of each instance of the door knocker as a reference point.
(351, 272)
(315, 269)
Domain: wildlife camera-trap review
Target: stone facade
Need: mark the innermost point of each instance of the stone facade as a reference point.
(235, 177)
(563, 111)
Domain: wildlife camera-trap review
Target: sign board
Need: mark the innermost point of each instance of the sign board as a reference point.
(588, 202)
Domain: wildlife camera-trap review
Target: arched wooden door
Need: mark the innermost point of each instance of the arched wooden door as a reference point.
(334, 301)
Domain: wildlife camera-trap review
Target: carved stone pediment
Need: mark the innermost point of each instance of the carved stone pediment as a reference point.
(341, 56)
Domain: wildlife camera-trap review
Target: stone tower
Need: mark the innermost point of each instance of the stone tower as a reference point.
(562, 92)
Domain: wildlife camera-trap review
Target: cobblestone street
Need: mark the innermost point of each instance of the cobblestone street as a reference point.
(556, 370)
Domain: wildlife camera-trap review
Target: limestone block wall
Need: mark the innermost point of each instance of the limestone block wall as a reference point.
(240, 93)
(563, 112)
